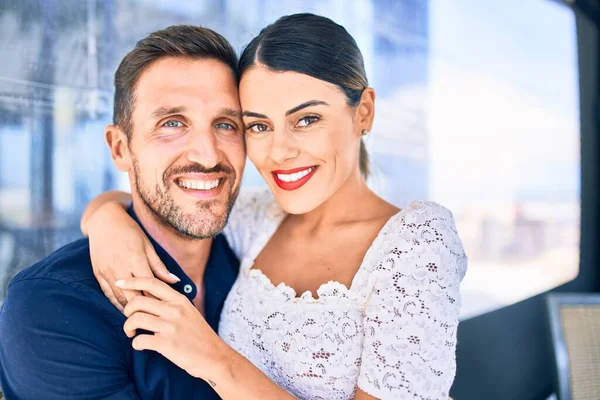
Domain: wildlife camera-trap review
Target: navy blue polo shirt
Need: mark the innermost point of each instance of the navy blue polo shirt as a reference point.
(60, 338)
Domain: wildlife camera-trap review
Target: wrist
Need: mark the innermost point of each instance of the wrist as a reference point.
(220, 368)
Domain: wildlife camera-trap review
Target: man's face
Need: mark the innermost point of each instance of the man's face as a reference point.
(187, 144)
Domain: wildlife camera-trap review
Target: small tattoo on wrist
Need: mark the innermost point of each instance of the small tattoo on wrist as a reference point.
(212, 383)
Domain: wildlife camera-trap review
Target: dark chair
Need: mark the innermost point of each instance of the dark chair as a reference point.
(574, 321)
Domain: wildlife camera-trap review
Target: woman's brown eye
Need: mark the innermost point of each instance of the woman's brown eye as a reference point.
(258, 128)
(309, 120)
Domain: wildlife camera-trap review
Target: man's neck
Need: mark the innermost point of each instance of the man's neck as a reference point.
(191, 254)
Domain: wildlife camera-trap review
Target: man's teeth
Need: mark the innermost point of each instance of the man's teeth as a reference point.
(295, 176)
(198, 185)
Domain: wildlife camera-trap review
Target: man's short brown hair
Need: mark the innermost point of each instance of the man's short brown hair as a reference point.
(175, 41)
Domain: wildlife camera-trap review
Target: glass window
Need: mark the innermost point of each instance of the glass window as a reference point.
(477, 109)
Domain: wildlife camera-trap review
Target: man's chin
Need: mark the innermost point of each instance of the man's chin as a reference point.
(202, 224)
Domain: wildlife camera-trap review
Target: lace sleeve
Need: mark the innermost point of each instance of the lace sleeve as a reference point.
(251, 211)
(412, 315)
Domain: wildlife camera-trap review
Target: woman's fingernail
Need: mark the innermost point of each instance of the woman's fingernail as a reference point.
(120, 283)
(174, 277)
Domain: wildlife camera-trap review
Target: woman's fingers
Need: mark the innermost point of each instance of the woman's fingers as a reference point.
(148, 342)
(153, 286)
(111, 295)
(123, 296)
(147, 322)
(151, 306)
(157, 267)
(140, 266)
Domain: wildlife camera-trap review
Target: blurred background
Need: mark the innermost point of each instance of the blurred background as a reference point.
(486, 107)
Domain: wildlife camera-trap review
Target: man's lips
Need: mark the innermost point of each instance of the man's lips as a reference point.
(200, 185)
(201, 176)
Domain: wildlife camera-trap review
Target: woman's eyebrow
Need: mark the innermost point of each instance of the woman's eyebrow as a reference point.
(253, 114)
(290, 111)
(306, 104)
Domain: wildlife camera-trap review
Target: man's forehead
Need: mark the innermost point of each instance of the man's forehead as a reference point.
(180, 82)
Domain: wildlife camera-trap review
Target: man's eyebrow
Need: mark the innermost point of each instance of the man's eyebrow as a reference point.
(230, 112)
(253, 114)
(309, 103)
(162, 112)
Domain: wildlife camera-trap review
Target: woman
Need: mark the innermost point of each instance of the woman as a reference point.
(340, 294)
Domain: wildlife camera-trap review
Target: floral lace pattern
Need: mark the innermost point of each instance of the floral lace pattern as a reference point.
(392, 333)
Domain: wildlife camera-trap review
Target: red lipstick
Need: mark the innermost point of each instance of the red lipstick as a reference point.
(295, 184)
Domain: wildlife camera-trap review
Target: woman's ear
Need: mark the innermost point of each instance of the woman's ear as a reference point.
(366, 110)
(118, 144)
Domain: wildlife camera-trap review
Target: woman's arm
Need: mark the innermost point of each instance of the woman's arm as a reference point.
(109, 199)
(119, 248)
(411, 318)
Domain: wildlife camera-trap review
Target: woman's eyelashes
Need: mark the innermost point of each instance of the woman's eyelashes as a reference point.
(307, 121)
(257, 127)
(304, 122)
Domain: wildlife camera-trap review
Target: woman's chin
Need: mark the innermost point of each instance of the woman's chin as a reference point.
(297, 204)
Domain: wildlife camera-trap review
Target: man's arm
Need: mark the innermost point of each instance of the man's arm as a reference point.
(56, 344)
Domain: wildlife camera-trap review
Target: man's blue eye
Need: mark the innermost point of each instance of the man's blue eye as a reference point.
(172, 124)
(224, 125)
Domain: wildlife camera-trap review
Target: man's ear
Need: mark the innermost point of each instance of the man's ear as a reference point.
(118, 144)
(365, 111)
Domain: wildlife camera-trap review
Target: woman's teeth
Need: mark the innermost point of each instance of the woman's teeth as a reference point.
(198, 185)
(295, 176)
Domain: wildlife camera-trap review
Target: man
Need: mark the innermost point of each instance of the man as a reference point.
(178, 133)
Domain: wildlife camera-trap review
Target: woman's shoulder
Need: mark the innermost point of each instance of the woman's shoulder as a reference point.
(424, 230)
(425, 220)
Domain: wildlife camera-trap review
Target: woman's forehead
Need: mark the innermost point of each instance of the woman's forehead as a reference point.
(285, 89)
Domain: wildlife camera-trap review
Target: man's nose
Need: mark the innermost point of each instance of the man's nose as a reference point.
(203, 149)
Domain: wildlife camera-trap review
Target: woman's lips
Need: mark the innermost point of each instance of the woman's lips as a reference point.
(293, 179)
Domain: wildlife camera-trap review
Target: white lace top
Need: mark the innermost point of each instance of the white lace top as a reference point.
(392, 333)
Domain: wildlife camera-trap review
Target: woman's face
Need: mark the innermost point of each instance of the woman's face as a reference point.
(301, 135)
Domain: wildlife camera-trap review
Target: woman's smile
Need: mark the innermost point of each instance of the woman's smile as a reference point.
(293, 179)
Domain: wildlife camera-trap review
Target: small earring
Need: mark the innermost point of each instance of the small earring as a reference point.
(364, 132)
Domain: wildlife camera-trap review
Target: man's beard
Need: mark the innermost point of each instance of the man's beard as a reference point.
(211, 217)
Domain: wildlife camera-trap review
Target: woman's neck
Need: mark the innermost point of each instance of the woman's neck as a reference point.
(352, 202)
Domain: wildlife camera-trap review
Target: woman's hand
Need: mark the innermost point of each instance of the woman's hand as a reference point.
(181, 333)
(119, 249)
